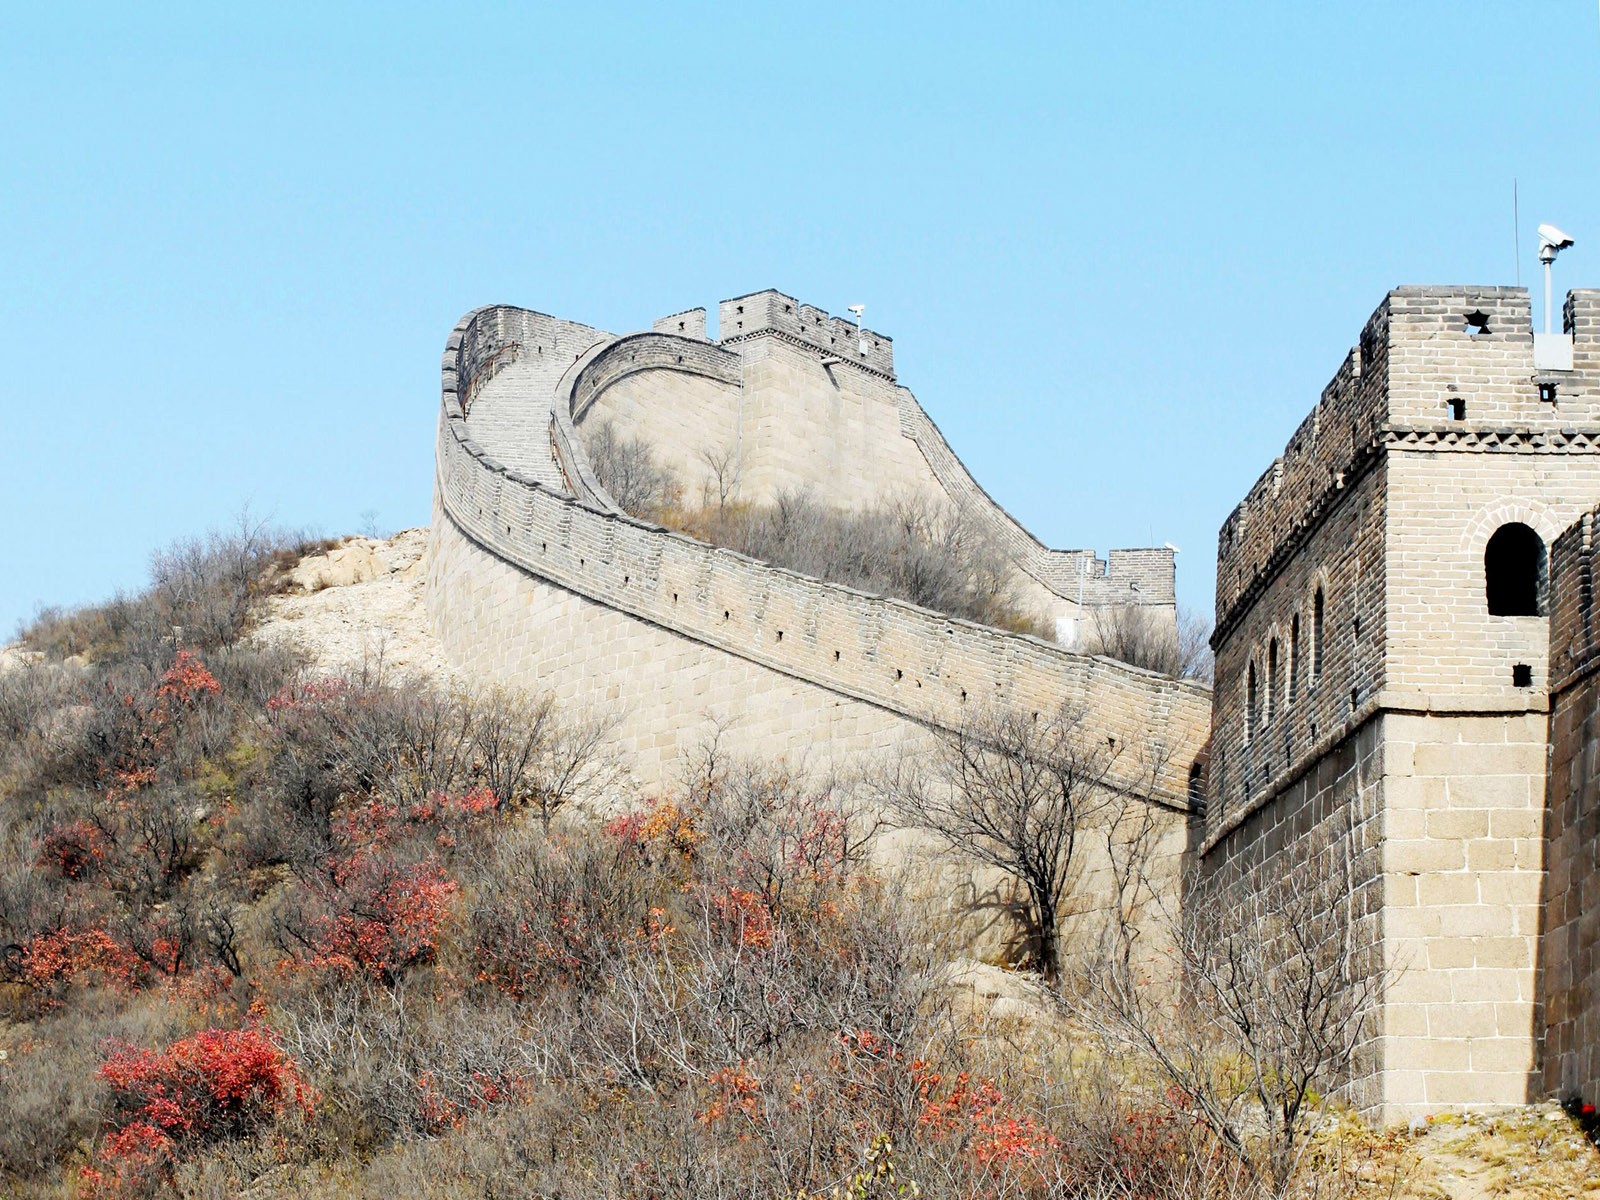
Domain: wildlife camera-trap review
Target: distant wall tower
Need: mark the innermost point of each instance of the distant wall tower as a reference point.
(1382, 672)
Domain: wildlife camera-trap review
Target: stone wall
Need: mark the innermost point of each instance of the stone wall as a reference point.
(917, 664)
(792, 399)
(1316, 679)
(1436, 431)
(531, 585)
(1462, 798)
(1570, 948)
(669, 694)
(1325, 825)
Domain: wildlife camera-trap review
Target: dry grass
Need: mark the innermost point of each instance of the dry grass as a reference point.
(911, 548)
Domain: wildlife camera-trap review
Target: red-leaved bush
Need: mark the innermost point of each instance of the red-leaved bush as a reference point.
(383, 918)
(968, 1113)
(186, 681)
(51, 962)
(72, 849)
(215, 1085)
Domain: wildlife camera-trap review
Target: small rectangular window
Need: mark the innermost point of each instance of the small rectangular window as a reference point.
(1458, 409)
(1317, 606)
(1522, 675)
(1547, 392)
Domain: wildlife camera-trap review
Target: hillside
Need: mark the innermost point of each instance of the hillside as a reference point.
(283, 922)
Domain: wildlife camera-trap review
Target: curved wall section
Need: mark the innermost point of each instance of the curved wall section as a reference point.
(530, 585)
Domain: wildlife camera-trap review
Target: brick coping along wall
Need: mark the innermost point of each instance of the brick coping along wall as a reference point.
(879, 650)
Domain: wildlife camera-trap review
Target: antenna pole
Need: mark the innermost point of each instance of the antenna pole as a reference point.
(1516, 229)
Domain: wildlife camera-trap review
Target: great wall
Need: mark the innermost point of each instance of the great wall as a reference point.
(1375, 688)
(535, 572)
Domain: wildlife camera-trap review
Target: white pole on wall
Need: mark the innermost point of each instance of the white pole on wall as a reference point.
(1547, 262)
(1551, 243)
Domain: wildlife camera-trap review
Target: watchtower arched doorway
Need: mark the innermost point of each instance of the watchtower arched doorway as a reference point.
(1514, 572)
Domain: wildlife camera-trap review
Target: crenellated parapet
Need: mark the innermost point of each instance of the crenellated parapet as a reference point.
(1327, 453)
(772, 314)
(1447, 367)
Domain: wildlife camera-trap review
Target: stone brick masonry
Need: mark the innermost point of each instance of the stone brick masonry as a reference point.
(1363, 681)
(1366, 695)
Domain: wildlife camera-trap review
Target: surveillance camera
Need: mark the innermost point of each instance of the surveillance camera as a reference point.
(858, 309)
(1551, 238)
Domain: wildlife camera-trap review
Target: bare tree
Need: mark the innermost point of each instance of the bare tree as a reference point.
(722, 476)
(1014, 791)
(626, 467)
(1267, 1002)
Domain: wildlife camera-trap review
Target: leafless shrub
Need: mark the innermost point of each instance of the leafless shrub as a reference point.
(910, 547)
(777, 829)
(626, 467)
(549, 912)
(1195, 660)
(391, 1061)
(364, 734)
(152, 839)
(29, 693)
(202, 592)
(1266, 1001)
(28, 900)
(1141, 636)
(722, 477)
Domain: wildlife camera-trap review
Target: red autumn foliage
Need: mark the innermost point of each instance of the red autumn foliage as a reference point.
(734, 1090)
(187, 680)
(382, 916)
(217, 1084)
(660, 824)
(149, 720)
(976, 1112)
(972, 1113)
(72, 849)
(743, 918)
(440, 807)
(51, 962)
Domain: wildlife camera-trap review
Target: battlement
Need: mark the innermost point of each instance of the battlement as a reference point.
(690, 323)
(1453, 367)
(771, 313)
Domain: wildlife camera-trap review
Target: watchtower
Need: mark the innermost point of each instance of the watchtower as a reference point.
(1382, 670)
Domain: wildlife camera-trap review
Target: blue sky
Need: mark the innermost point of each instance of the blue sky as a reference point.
(1120, 247)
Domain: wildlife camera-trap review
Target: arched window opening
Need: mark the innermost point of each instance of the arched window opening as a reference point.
(1251, 699)
(1272, 679)
(1318, 607)
(1513, 572)
(1197, 785)
(1294, 658)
